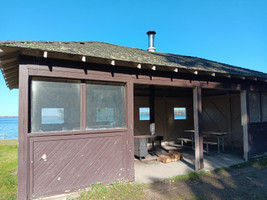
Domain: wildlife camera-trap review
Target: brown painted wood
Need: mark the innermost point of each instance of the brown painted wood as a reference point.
(257, 139)
(130, 133)
(126, 133)
(79, 132)
(23, 161)
(68, 163)
(199, 163)
(245, 122)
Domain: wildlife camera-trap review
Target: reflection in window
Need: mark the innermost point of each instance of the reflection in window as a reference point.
(105, 106)
(144, 113)
(55, 105)
(254, 106)
(264, 106)
(52, 115)
(104, 114)
(179, 113)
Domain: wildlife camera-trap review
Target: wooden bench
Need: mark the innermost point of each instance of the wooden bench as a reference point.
(207, 143)
(185, 140)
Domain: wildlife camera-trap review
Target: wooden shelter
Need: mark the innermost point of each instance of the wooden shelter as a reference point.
(79, 108)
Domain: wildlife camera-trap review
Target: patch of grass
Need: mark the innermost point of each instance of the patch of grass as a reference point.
(221, 170)
(8, 169)
(190, 176)
(258, 163)
(116, 190)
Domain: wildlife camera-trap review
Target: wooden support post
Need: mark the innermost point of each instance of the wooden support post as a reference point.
(152, 107)
(129, 153)
(245, 121)
(197, 102)
(23, 147)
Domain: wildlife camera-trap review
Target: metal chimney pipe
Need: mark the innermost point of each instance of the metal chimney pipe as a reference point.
(151, 47)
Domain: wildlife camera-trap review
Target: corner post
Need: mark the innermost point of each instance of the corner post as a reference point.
(245, 121)
(197, 102)
(23, 143)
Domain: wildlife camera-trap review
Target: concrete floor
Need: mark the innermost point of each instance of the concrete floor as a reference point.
(149, 170)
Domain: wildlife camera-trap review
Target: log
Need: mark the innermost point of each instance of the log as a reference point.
(171, 156)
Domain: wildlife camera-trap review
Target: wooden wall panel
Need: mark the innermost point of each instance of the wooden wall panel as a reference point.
(166, 126)
(63, 164)
(257, 138)
(223, 114)
(140, 127)
(214, 113)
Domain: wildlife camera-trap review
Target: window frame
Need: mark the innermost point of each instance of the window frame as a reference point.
(83, 129)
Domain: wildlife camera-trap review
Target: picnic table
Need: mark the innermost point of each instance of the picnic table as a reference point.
(207, 135)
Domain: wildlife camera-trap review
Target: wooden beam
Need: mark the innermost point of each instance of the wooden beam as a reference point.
(4, 62)
(10, 64)
(245, 122)
(129, 111)
(10, 69)
(197, 103)
(11, 75)
(9, 56)
(11, 83)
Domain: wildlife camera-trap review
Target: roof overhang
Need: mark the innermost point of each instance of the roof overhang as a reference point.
(9, 63)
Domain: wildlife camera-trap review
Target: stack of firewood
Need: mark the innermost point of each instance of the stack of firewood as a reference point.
(172, 156)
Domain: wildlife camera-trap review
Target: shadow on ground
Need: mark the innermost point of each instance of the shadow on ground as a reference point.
(245, 182)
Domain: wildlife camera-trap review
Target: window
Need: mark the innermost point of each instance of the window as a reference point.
(254, 106)
(105, 106)
(179, 113)
(55, 105)
(258, 106)
(264, 106)
(144, 113)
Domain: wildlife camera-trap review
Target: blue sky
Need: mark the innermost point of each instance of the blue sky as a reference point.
(228, 31)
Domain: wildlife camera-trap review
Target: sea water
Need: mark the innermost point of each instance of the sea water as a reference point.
(9, 127)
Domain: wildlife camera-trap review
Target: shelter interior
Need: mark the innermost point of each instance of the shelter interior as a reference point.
(173, 113)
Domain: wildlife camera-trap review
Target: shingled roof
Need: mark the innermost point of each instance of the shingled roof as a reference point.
(105, 51)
